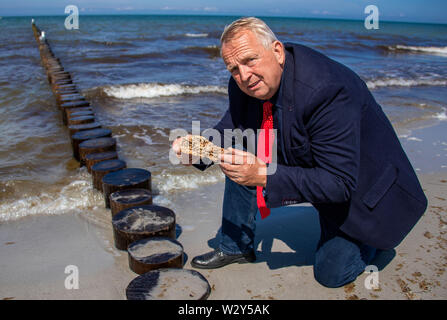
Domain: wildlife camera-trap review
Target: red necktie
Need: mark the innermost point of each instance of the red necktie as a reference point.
(264, 151)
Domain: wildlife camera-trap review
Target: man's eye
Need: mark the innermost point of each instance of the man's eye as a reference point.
(251, 61)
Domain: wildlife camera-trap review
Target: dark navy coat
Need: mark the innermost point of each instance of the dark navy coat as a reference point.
(338, 150)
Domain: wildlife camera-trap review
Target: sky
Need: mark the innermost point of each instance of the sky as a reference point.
(434, 11)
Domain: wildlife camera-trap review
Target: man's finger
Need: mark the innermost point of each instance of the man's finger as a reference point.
(230, 174)
(234, 158)
(229, 167)
(238, 152)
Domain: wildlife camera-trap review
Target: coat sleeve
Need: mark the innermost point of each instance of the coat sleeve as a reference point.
(334, 143)
(227, 121)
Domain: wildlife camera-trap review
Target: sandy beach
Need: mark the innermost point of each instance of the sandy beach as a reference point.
(34, 252)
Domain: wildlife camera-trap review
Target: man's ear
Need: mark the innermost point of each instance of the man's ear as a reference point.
(278, 51)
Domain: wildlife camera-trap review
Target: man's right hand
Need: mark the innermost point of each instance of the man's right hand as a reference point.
(185, 159)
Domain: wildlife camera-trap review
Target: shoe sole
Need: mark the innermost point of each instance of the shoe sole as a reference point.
(241, 260)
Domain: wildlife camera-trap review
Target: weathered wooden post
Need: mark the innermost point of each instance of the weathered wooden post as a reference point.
(140, 222)
(80, 127)
(154, 253)
(81, 136)
(80, 120)
(169, 284)
(123, 199)
(130, 178)
(100, 169)
(95, 146)
(93, 158)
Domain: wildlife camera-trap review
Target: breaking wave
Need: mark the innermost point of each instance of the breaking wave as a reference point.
(170, 182)
(442, 116)
(76, 196)
(402, 82)
(419, 49)
(197, 35)
(154, 90)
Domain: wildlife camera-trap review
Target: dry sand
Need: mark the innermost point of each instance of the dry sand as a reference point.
(35, 251)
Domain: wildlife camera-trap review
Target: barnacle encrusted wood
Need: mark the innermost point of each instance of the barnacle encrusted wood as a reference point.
(199, 146)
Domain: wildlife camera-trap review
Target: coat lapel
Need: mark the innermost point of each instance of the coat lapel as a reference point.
(285, 104)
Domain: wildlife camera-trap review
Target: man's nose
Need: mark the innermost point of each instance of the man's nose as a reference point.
(245, 73)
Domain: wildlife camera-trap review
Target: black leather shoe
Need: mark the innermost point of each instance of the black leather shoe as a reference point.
(217, 259)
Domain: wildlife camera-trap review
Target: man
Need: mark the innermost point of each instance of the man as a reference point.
(336, 149)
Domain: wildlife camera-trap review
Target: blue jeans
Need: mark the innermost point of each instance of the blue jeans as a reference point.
(339, 259)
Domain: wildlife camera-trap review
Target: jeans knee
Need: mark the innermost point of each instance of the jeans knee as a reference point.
(337, 263)
(328, 276)
(329, 280)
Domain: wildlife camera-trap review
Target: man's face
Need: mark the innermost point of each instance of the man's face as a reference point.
(256, 70)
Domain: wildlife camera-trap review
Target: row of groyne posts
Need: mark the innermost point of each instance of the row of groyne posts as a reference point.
(145, 230)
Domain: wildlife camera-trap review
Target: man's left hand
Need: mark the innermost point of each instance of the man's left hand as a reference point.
(244, 168)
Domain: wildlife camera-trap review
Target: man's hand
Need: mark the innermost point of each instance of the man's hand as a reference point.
(185, 159)
(244, 168)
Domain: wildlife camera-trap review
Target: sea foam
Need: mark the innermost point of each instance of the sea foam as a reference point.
(402, 82)
(441, 115)
(197, 35)
(429, 50)
(154, 90)
(168, 182)
(75, 196)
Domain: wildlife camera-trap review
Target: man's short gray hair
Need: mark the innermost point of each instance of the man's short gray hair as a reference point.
(264, 34)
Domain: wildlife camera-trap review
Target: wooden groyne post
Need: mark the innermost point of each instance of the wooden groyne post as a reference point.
(134, 217)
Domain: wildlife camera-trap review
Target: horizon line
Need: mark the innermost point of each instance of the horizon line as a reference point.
(214, 15)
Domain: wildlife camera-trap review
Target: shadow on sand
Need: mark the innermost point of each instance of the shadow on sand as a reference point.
(297, 227)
